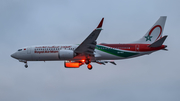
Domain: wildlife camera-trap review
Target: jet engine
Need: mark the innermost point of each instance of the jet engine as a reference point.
(66, 54)
(69, 64)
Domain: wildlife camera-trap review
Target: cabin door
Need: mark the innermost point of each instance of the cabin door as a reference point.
(137, 48)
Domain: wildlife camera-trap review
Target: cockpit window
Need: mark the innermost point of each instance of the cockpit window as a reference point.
(19, 49)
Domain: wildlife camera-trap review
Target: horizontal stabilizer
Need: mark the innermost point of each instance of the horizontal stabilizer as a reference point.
(159, 42)
(112, 62)
(104, 62)
(165, 49)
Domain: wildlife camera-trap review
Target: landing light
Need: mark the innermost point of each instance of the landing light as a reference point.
(82, 60)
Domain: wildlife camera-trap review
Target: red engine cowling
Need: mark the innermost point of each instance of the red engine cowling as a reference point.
(72, 64)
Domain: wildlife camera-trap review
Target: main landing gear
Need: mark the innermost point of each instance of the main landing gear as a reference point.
(89, 66)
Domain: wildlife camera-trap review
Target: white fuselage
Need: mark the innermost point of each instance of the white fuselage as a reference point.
(51, 53)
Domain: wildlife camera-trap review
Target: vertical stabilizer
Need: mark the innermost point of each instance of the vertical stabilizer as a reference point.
(155, 32)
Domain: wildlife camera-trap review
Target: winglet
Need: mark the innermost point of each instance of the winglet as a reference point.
(101, 23)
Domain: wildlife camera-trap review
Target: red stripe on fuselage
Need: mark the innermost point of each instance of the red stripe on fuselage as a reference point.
(134, 47)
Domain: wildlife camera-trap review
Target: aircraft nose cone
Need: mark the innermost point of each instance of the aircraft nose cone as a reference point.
(14, 55)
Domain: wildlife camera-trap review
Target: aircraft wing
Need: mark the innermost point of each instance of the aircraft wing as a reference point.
(88, 45)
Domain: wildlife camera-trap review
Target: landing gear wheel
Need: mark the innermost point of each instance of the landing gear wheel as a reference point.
(89, 66)
(26, 66)
(87, 61)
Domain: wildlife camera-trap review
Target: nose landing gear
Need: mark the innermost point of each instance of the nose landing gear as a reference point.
(26, 65)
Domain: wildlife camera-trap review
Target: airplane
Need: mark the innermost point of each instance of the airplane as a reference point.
(76, 55)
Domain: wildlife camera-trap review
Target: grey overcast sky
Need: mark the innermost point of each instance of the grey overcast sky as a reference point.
(152, 77)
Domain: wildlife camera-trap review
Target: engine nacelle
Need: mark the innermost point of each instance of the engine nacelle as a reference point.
(68, 64)
(66, 54)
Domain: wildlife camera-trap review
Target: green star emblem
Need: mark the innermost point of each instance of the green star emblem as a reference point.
(148, 38)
